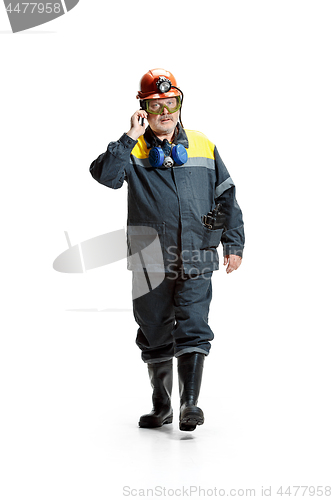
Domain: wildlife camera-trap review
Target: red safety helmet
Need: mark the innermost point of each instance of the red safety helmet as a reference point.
(158, 83)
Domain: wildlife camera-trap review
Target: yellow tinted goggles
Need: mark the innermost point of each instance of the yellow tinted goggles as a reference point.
(156, 106)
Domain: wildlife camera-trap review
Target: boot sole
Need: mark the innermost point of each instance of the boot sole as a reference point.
(190, 418)
(146, 424)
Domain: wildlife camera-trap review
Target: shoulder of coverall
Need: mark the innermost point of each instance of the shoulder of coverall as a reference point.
(195, 142)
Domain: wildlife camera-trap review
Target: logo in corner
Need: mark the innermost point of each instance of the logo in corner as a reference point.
(25, 15)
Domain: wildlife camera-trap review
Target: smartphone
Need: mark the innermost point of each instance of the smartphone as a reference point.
(142, 122)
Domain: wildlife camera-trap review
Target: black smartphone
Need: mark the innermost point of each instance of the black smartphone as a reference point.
(142, 121)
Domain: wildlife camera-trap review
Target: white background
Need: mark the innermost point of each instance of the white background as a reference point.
(257, 79)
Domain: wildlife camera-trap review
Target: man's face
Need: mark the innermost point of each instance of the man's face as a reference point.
(166, 122)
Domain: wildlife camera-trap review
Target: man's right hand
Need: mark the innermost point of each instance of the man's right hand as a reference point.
(137, 129)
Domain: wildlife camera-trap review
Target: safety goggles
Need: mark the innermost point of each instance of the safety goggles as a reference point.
(156, 106)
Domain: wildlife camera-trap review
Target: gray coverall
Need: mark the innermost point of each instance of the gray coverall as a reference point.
(173, 317)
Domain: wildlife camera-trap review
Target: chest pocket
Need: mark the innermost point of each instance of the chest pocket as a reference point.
(198, 179)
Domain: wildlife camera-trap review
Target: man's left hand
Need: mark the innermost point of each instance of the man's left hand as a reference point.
(233, 261)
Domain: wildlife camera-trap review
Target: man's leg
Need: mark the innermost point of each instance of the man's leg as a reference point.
(160, 375)
(192, 298)
(192, 337)
(154, 313)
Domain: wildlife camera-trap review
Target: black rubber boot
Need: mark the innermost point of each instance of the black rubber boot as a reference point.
(161, 381)
(190, 366)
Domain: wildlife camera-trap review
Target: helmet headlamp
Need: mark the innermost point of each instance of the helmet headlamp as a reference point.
(163, 84)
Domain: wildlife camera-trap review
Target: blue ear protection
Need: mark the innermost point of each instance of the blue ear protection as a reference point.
(175, 154)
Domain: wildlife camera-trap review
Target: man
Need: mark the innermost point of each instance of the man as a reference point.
(179, 186)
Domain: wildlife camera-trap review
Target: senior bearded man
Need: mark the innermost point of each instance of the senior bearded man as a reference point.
(179, 186)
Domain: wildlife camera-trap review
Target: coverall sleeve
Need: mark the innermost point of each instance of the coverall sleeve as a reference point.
(110, 168)
(233, 237)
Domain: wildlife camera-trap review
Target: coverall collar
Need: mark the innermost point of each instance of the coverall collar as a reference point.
(152, 140)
